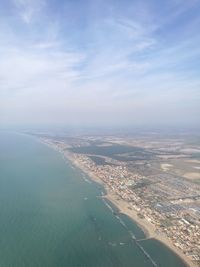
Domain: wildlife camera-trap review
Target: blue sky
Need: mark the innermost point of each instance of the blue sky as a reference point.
(95, 62)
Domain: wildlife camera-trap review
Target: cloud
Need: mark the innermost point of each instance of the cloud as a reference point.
(29, 9)
(19, 67)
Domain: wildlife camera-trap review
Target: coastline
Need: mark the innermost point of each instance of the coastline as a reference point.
(149, 229)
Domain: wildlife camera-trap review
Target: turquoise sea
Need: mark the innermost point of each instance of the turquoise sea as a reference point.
(51, 217)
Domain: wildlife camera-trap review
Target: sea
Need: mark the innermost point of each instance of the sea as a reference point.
(53, 215)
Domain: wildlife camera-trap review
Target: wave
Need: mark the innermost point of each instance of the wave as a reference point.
(85, 179)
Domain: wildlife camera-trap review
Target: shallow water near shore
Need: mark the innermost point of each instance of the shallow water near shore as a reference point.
(51, 216)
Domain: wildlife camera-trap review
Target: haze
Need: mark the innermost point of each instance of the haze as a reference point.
(100, 62)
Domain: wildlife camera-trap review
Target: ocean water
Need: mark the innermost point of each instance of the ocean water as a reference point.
(52, 216)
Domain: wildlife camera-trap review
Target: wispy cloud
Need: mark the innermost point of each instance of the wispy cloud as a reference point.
(29, 9)
(25, 67)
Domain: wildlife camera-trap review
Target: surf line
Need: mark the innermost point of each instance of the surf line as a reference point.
(85, 179)
(132, 235)
(146, 254)
(107, 205)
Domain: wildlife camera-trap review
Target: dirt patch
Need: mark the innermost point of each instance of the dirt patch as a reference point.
(165, 166)
(192, 175)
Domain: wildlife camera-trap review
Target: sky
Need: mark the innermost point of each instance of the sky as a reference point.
(100, 62)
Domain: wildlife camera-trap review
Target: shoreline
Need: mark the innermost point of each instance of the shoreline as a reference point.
(149, 229)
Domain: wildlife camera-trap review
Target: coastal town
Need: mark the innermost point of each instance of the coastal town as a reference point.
(146, 183)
